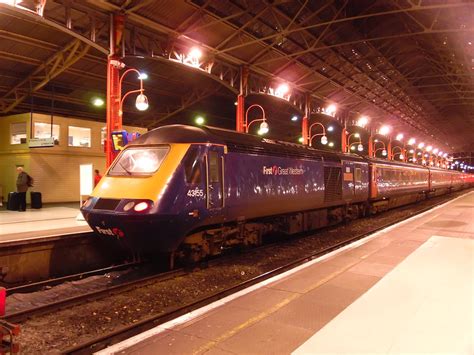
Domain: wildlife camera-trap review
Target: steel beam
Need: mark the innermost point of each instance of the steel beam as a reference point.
(47, 71)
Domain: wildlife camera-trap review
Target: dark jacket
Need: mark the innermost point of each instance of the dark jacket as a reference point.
(22, 182)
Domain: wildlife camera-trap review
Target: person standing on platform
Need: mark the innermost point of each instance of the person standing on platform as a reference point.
(97, 177)
(21, 188)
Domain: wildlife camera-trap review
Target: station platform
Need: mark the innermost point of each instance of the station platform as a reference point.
(406, 289)
(51, 220)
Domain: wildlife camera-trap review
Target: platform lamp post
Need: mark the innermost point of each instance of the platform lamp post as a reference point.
(263, 126)
(428, 155)
(141, 102)
(434, 158)
(383, 148)
(352, 146)
(400, 150)
(324, 138)
(411, 143)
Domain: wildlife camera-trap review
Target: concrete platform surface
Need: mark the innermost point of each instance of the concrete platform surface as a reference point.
(400, 290)
(35, 223)
(424, 305)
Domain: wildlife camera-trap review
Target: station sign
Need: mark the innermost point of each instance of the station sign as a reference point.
(41, 142)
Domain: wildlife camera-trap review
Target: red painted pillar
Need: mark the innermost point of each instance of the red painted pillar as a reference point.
(371, 146)
(305, 120)
(240, 114)
(239, 119)
(389, 150)
(114, 119)
(304, 130)
(344, 139)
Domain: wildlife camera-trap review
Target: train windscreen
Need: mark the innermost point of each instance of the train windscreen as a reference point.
(139, 161)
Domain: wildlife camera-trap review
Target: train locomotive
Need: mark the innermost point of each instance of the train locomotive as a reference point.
(196, 191)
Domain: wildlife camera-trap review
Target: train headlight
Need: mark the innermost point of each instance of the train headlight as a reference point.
(128, 206)
(142, 206)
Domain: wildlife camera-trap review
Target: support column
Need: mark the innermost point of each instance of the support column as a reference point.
(371, 145)
(114, 119)
(239, 121)
(305, 121)
(344, 137)
(389, 150)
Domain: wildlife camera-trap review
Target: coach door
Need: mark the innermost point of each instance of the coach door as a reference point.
(215, 177)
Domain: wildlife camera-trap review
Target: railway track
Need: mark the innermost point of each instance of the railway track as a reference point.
(125, 332)
(37, 286)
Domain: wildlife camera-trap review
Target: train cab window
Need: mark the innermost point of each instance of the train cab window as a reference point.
(214, 175)
(192, 166)
(358, 174)
(139, 161)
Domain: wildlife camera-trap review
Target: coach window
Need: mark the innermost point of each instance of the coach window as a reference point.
(214, 167)
(79, 137)
(358, 175)
(192, 166)
(18, 133)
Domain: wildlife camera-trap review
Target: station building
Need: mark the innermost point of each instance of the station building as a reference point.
(55, 169)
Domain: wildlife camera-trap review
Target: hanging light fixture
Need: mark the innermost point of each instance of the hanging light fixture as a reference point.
(141, 102)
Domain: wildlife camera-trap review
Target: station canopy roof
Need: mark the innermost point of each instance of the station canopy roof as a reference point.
(405, 63)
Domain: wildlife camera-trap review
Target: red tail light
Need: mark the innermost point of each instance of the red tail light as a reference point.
(142, 206)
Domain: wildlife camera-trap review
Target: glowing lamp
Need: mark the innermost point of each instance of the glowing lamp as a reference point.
(384, 130)
(412, 141)
(384, 152)
(412, 151)
(142, 76)
(399, 137)
(98, 102)
(324, 140)
(294, 118)
(330, 128)
(195, 53)
(331, 144)
(300, 139)
(429, 148)
(264, 128)
(401, 156)
(421, 145)
(357, 135)
(353, 147)
(360, 147)
(330, 110)
(435, 151)
(141, 102)
(142, 206)
(200, 120)
(281, 90)
(362, 121)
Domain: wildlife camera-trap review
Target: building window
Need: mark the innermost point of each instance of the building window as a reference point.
(79, 137)
(18, 133)
(43, 130)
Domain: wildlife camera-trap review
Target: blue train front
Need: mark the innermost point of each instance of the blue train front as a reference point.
(201, 190)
